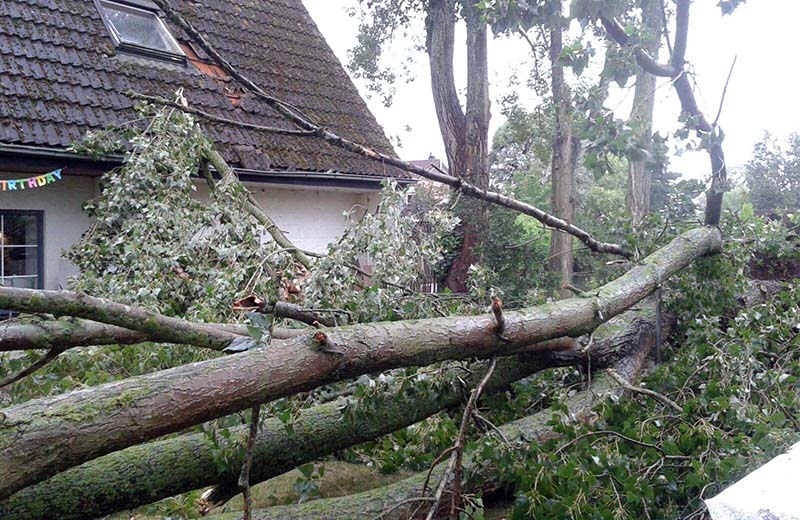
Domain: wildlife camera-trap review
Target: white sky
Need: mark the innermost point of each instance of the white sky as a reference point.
(762, 94)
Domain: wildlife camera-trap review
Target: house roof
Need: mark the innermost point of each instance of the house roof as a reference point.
(432, 164)
(60, 76)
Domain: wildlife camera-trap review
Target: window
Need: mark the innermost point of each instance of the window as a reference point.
(139, 30)
(21, 249)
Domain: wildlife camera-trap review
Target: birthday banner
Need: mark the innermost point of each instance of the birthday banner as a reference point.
(31, 182)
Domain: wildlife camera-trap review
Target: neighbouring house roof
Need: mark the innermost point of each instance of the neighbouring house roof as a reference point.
(61, 75)
(431, 164)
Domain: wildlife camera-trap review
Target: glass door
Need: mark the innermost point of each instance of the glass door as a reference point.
(21, 255)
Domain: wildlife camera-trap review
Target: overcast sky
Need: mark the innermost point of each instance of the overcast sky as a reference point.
(762, 94)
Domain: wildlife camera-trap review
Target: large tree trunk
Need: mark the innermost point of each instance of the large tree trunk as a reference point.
(149, 472)
(565, 145)
(639, 175)
(45, 436)
(403, 500)
(465, 136)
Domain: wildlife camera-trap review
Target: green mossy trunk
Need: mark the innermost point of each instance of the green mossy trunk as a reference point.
(399, 501)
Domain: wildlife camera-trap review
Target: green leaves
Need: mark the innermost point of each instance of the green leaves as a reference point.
(729, 6)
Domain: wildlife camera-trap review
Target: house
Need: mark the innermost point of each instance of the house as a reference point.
(65, 66)
(432, 164)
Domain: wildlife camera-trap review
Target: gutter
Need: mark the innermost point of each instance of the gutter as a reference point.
(34, 159)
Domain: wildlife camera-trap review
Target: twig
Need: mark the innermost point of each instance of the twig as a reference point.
(304, 123)
(725, 91)
(438, 460)
(644, 391)
(244, 475)
(561, 253)
(50, 356)
(492, 427)
(458, 454)
(437, 498)
(403, 503)
(625, 438)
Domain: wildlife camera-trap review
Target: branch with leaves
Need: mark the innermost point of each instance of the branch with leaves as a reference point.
(304, 123)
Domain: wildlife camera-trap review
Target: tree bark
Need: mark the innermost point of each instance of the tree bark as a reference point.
(639, 175)
(565, 151)
(473, 212)
(45, 436)
(401, 501)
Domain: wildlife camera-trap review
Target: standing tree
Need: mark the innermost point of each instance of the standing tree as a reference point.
(464, 125)
(641, 118)
(773, 176)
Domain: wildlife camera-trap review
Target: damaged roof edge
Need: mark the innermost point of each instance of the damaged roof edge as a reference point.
(35, 159)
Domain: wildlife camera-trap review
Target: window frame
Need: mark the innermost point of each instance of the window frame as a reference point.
(39, 216)
(133, 48)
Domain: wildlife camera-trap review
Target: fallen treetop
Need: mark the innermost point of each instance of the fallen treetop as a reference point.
(41, 437)
(146, 473)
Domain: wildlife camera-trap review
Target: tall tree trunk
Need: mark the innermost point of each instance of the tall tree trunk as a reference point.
(42, 437)
(565, 144)
(465, 135)
(639, 173)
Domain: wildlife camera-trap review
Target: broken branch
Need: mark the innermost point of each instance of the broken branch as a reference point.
(302, 122)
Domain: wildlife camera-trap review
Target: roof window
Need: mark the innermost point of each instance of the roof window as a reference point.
(138, 29)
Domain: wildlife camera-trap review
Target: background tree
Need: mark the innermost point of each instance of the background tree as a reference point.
(640, 173)
(773, 175)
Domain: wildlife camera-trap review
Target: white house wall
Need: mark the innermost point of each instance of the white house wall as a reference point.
(64, 219)
(310, 217)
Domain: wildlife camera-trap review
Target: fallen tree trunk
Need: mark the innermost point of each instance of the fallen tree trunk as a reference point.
(404, 500)
(165, 328)
(149, 472)
(45, 436)
(66, 333)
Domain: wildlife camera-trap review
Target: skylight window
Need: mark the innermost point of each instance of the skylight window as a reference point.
(139, 29)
